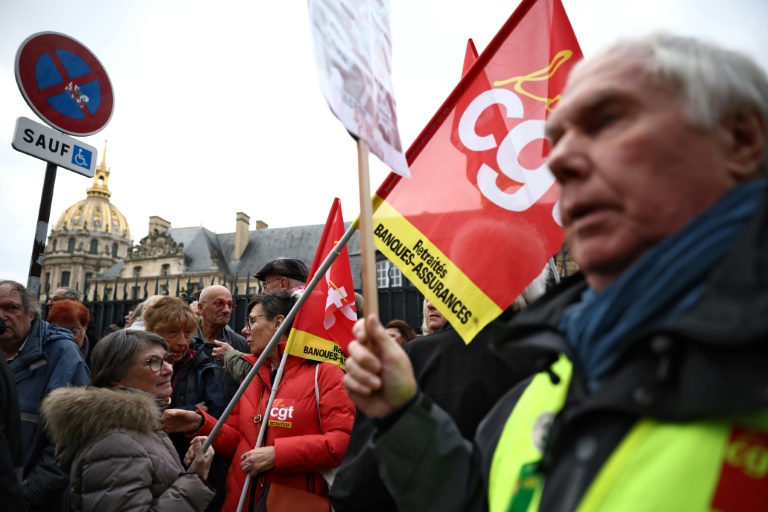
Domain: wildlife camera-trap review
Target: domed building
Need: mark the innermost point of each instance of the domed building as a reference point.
(89, 237)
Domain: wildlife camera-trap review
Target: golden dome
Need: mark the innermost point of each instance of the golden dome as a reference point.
(95, 214)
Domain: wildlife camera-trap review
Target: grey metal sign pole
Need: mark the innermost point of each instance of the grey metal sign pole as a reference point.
(41, 231)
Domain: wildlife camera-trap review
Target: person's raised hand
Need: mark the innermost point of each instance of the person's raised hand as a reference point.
(221, 349)
(200, 462)
(379, 374)
(179, 420)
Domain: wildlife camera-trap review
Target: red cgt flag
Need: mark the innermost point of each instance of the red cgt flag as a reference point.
(477, 221)
(323, 327)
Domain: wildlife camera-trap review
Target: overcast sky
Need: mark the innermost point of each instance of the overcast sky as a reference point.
(218, 109)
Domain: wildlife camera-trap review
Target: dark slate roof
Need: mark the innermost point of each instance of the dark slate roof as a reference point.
(113, 271)
(203, 249)
(265, 245)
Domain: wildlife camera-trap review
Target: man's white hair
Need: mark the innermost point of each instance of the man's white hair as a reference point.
(714, 82)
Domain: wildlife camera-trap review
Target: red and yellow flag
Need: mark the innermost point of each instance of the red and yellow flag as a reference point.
(478, 221)
(323, 327)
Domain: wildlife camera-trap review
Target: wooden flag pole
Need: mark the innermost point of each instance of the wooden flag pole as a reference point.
(365, 222)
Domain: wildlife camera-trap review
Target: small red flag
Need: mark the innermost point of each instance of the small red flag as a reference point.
(470, 56)
(323, 327)
(477, 221)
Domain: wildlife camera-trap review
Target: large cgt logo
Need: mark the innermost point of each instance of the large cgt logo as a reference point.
(535, 182)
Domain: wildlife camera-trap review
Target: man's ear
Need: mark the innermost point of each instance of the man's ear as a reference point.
(279, 321)
(747, 144)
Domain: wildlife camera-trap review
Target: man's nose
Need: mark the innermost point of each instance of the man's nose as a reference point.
(568, 158)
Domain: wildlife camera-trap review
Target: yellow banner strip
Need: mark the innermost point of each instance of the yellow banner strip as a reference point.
(466, 306)
(307, 345)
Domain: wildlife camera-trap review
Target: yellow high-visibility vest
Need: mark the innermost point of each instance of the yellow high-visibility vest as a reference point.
(705, 465)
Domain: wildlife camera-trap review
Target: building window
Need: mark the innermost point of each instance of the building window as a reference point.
(136, 271)
(94, 246)
(395, 276)
(71, 245)
(382, 278)
(54, 245)
(65, 279)
(114, 250)
(164, 289)
(47, 281)
(88, 276)
(165, 270)
(388, 275)
(135, 292)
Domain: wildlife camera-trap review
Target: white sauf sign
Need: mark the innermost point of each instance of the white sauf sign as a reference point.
(53, 146)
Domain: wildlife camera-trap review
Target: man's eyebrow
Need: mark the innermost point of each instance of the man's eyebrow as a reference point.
(593, 104)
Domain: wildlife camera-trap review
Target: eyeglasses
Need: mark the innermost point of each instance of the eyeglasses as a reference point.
(155, 363)
(251, 320)
(265, 282)
(76, 330)
(219, 304)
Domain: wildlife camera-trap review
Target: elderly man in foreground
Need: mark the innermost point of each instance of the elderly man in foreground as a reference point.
(655, 394)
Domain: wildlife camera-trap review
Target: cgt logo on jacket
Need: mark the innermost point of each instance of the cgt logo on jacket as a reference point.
(742, 483)
(281, 412)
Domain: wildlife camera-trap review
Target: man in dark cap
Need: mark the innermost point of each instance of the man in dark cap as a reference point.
(283, 274)
(280, 274)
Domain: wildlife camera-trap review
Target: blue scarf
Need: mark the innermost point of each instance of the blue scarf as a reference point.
(663, 284)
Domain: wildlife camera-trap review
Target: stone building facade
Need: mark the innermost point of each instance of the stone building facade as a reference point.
(179, 261)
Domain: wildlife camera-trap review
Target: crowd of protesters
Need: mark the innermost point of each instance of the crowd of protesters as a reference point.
(637, 384)
(107, 435)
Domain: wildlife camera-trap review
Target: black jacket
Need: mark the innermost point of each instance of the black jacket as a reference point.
(464, 380)
(229, 385)
(194, 381)
(11, 455)
(710, 363)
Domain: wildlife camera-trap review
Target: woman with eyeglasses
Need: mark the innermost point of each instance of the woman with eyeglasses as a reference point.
(108, 436)
(307, 428)
(73, 316)
(196, 381)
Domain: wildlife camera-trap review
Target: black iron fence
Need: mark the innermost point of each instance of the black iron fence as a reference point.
(404, 303)
(140, 288)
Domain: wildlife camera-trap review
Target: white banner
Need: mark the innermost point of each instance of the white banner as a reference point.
(353, 52)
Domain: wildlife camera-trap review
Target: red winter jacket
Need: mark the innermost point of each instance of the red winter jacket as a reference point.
(301, 449)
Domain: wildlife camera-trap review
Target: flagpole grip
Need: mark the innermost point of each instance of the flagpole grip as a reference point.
(367, 248)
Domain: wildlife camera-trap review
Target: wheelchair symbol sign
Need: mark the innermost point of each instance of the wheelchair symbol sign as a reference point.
(82, 157)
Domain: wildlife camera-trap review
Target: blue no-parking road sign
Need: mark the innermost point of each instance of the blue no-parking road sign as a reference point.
(64, 83)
